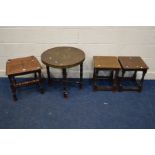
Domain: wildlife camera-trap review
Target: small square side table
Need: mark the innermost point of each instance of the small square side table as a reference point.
(134, 64)
(23, 66)
(106, 63)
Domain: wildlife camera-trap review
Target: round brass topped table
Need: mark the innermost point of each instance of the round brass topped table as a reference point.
(63, 58)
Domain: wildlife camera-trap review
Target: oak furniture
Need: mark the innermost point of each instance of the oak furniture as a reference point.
(63, 58)
(106, 63)
(132, 64)
(22, 66)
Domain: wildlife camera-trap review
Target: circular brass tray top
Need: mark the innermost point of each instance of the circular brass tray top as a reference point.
(63, 57)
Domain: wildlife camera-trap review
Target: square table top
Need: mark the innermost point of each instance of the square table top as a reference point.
(22, 65)
(135, 63)
(106, 62)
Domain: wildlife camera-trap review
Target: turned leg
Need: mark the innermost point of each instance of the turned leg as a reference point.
(115, 81)
(64, 74)
(94, 79)
(13, 87)
(48, 74)
(35, 75)
(111, 75)
(134, 75)
(121, 79)
(40, 83)
(142, 80)
(81, 76)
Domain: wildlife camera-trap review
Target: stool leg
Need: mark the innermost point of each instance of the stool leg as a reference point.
(14, 80)
(13, 88)
(111, 76)
(48, 74)
(81, 76)
(134, 75)
(94, 79)
(64, 74)
(121, 79)
(115, 81)
(40, 83)
(35, 75)
(142, 80)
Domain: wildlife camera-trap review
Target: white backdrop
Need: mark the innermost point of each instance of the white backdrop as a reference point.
(113, 41)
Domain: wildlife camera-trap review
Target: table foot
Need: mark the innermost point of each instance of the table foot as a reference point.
(65, 94)
(42, 91)
(81, 86)
(15, 98)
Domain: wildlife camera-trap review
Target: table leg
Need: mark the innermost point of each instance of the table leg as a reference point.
(35, 75)
(81, 76)
(40, 83)
(13, 88)
(142, 80)
(48, 74)
(111, 75)
(135, 75)
(121, 79)
(94, 79)
(116, 81)
(64, 74)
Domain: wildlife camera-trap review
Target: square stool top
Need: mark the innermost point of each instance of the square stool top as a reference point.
(106, 62)
(133, 63)
(23, 65)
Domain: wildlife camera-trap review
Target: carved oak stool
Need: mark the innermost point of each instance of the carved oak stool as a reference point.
(23, 66)
(106, 63)
(132, 64)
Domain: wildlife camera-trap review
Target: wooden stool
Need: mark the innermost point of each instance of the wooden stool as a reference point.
(106, 63)
(133, 64)
(23, 66)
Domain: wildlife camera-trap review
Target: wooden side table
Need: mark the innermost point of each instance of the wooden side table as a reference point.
(63, 58)
(106, 63)
(132, 64)
(23, 66)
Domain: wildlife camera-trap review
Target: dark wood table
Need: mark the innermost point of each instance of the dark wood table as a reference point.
(23, 66)
(106, 63)
(63, 58)
(132, 64)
